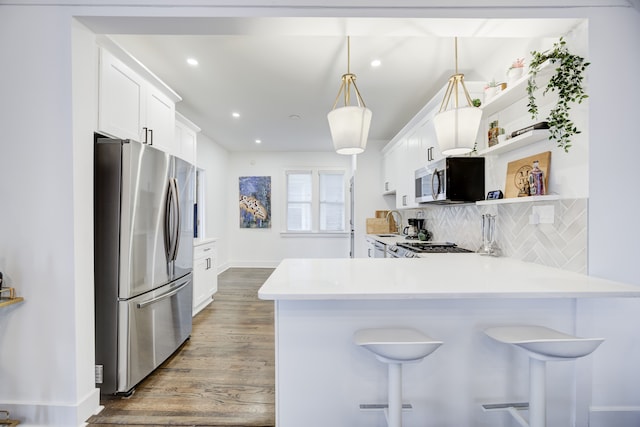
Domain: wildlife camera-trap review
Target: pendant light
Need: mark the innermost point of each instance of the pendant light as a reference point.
(349, 125)
(456, 127)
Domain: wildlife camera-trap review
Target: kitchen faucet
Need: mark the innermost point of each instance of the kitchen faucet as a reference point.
(398, 223)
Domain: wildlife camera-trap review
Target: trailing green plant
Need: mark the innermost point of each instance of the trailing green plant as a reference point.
(567, 81)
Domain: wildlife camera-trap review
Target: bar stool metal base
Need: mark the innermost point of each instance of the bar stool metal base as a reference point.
(541, 345)
(512, 408)
(394, 347)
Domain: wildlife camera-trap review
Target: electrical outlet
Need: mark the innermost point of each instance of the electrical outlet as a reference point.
(99, 374)
(543, 214)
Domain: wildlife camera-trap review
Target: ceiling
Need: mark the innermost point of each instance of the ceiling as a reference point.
(282, 75)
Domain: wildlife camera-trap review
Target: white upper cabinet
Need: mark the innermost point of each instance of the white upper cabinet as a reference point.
(161, 117)
(132, 102)
(391, 168)
(121, 99)
(186, 139)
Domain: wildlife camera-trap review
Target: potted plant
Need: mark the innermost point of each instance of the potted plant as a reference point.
(490, 90)
(516, 70)
(567, 81)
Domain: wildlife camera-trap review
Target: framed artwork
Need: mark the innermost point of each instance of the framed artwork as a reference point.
(255, 201)
(524, 180)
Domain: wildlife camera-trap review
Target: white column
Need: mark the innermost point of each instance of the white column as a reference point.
(537, 393)
(394, 414)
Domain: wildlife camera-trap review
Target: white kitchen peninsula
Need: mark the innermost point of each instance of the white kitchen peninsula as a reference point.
(322, 377)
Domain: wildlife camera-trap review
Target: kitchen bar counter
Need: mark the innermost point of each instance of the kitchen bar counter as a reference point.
(322, 376)
(435, 276)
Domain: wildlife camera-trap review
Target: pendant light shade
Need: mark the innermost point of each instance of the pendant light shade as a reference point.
(456, 127)
(349, 125)
(349, 128)
(456, 130)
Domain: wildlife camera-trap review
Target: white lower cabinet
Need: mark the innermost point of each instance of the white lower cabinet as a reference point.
(205, 276)
(371, 247)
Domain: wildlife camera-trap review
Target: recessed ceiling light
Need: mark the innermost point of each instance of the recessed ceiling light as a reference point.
(192, 61)
(376, 63)
(235, 114)
(258, 141)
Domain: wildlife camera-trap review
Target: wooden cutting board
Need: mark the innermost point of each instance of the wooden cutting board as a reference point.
(518, 171)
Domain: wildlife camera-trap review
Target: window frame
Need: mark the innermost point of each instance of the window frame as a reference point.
(315, 173)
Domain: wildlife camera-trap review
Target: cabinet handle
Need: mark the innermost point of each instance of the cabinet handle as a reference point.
(206, 249)
(208, 263)
(151, 138)
(386, 186)
(430, 153)
(404, 200)
(146, 134)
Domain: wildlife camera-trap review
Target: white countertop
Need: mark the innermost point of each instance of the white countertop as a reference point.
(203, 240)
(391, 240)
(438, 276)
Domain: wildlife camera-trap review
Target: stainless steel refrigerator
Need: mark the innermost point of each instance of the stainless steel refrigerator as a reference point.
(143, 214)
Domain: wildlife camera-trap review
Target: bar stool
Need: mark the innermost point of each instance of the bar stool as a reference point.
(542, 345)
(395, 346)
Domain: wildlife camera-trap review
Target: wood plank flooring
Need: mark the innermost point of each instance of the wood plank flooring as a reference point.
(223, 376)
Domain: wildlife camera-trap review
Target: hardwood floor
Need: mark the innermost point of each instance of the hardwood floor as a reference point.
(223, 376)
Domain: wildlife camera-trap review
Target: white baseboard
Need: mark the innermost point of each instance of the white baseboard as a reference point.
(36, 414)
(618, 416)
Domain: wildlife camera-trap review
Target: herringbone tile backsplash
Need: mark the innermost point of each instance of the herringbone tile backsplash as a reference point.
(562, 244)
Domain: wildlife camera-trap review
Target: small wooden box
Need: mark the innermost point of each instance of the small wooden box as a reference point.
(391, 220)
(378, 226)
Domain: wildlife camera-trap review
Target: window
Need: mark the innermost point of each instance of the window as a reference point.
(299, 201)
(315, 201)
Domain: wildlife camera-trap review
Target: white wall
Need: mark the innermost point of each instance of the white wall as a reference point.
(613, 211)
(222, 192)
(267, 247)
(46, 223)
(368, 197)
(43, 187)
(215, 161)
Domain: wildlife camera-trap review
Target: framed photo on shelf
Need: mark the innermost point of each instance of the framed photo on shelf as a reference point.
(519, 180)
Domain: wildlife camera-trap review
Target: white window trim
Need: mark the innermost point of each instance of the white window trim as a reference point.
(315, 203)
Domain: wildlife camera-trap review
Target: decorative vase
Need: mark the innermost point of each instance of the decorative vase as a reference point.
(514, 74)
(490, 92)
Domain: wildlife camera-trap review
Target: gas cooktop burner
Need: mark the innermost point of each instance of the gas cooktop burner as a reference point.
(433, 247)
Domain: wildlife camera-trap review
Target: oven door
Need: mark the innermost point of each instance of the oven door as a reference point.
(430, 184)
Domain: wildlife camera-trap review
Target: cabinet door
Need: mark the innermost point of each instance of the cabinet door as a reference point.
(205, 276)
(161, 116)
(121, 99)
(371, 249)
(199, 283)
(185, 140)
(405, 193)
(429, 143)
(389, 167)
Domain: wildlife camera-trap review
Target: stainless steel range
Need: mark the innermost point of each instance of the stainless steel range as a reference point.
(412, 249)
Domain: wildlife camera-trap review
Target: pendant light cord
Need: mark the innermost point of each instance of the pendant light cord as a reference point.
(348, 55)
(456, 51)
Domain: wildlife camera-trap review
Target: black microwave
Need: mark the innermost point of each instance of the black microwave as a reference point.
(451, 180)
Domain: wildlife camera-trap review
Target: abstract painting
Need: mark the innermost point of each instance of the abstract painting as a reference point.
(255, 201)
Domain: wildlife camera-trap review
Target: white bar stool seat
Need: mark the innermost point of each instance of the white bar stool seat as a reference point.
(395, 346)
(542, 345)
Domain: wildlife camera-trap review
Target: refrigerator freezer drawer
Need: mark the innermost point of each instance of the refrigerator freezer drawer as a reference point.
(152, 326)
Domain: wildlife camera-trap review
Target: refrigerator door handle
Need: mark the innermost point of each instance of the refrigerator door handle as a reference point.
(161, 297)
(172, 221)
(167, 223)
(176, 231)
